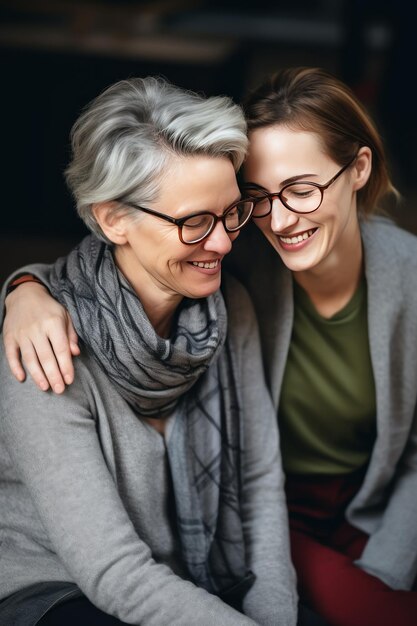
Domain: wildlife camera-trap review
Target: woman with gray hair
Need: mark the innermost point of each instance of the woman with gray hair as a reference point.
(150, 492)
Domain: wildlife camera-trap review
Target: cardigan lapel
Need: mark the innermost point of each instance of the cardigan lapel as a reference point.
(388, 356)
(258, 266)
(281, 319)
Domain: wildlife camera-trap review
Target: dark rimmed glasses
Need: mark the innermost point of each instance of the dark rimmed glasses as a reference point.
(299, 197)
(197, 226)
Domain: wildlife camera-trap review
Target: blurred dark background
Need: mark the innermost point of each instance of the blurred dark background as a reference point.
(57, 55)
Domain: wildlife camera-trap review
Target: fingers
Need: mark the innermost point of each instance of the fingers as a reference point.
(30, 358)
(13, 357)
(62, 346)
(72, 338)
(48, 360)
(39, 338)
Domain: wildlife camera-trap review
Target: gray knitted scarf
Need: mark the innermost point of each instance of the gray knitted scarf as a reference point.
(191, 373)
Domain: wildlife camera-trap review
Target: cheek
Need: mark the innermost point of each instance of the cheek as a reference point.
(162, 252)
(176, 257)
(339, 213)
(264, 224)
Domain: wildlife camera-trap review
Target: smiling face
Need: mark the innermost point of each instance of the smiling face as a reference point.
(314, 241)
(149, 252)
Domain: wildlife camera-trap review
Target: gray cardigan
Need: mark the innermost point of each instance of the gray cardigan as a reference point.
(84, 497)
(386, 505)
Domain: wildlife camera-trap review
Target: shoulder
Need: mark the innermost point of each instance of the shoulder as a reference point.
(238, 302)
(233, 289)
(390, 265)
(242, 325)
(252, 256)
(88, 384)
(394, 243)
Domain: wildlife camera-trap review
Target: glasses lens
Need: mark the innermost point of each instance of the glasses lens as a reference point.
(262, 202)
(302, 197)
(238, 215)
(197, 227)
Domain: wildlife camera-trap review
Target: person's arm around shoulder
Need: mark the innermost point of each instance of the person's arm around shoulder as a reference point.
(54, 445)
(273, 598)
(38, 332)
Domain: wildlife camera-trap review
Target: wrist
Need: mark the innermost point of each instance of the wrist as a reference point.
(21, 280)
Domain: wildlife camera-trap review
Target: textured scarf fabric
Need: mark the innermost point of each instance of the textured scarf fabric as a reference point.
(190, 373)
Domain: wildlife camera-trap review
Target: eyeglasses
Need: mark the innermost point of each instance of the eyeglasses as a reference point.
(299, 197)
(197, 226)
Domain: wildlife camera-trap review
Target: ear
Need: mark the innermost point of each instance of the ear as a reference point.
(111, 221)
(362, 168)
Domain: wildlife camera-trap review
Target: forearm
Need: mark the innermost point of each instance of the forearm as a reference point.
(391, 551)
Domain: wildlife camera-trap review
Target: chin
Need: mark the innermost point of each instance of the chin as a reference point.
(202, 292)
(297, 264)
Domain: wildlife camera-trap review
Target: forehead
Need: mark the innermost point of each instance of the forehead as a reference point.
(284, 143)
(282, 152)
(197, 183)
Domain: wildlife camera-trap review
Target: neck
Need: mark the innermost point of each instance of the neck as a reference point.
(160, 314)
(158, 302)
(331, 284)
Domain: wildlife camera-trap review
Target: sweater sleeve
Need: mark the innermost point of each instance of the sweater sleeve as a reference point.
(272, 600)
(54, 445)
(40, 270)
(391, 551)
(389, 514)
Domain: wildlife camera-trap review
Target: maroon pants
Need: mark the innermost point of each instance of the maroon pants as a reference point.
(324, 547)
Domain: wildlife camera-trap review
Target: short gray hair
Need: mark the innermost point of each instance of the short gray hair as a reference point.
(126, 136)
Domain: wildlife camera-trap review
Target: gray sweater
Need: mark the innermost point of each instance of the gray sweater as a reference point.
(85, 497)
(386, 505)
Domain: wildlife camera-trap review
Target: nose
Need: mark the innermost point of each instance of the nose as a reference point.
(219, 240)
(281, 217)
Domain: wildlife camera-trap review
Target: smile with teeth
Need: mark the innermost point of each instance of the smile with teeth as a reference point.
(298, 238)
(207, 265)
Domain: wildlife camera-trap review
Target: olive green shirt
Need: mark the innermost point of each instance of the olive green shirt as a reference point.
(327, 412)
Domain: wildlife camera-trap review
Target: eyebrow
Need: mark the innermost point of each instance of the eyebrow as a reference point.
(294, 179)
(287, 181)
(239, 197)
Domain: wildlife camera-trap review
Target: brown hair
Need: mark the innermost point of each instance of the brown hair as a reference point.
(310, 99)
